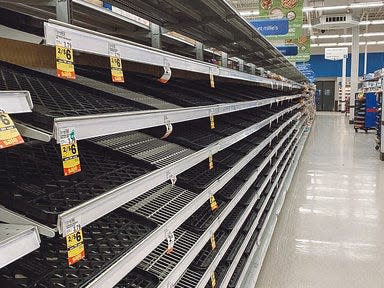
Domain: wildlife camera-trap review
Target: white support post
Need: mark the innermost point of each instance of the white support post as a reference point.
(354, 72)
(365, 59)
(343, 84)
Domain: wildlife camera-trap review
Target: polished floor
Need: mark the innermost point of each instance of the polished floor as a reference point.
(330, 232)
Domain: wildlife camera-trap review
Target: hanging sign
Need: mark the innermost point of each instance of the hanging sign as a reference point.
(334, 54)
(288, 50)
(9, 135)
(64, 56)
(116, 64)
(292, 10)
(268, 27)
(303, 44)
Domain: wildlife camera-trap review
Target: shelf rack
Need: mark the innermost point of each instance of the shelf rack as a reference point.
(178, 203)
(127, 262)
(89, 41)
(17, 241)
(95, 208)
(219, 26)
(99, 125)
(203, 279)
(255, 224)
(252, 267)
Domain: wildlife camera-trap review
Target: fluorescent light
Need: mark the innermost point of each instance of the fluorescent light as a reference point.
(325, 36)
(366, 5)
(250, 13)
(370, 43)
(333, 36)
(373, 22)
(344, 7)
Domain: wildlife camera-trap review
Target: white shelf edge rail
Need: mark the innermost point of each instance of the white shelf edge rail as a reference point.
(89, 126)
(236, 260)
(13, 102)
(101, 205)
(89, 41)
(212, 267)
(255, 259)
(131, 259)
(177, 272)
(17, 241)
(11, 217)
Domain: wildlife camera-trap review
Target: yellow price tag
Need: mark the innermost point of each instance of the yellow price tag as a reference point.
(116, 69)
(213, 280)
(9, 135)
(64, 62)
(213, 242)
(75, 247)
(213, 203)
(70, 157)
(210, 160)
(212, 121)
(212, 80)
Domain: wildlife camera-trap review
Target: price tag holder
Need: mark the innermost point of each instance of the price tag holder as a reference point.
(213, 280)
(167, 74)
(169, 129)
(213, 242)
(116, 64)
(9, 135)
(210, 160)
(64, 56)
(75, 247)
(213, 203)
(212, 121)
(171, 241)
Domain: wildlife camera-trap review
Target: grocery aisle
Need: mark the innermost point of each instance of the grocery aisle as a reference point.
(330, 231)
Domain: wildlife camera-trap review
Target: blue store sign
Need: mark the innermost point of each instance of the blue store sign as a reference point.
(288, 50)
(271, 26)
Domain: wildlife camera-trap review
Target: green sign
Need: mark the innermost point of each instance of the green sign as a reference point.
(279, 9)
(304, 49)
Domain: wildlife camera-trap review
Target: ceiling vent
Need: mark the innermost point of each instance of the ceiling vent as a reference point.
(328, 22)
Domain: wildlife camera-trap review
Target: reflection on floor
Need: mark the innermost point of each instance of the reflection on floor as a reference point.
(330, 232)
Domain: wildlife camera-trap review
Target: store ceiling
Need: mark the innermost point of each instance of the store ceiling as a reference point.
(373, 34)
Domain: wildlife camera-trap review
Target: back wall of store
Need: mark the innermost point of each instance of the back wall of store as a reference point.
(328, 68)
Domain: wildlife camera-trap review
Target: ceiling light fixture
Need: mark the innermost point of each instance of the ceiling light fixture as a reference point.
(249, 13)
(344, 7)
(370, 43)
(371, 34)
(372, 22)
